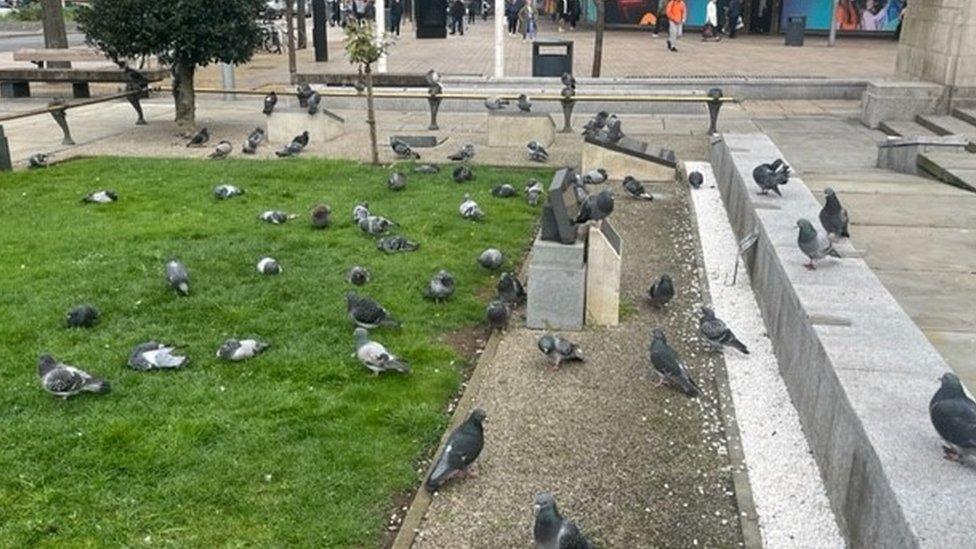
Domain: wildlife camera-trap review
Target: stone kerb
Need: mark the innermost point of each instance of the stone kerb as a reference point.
(285, 123)
(512, 128)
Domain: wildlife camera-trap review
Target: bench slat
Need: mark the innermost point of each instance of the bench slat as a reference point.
(75, 75)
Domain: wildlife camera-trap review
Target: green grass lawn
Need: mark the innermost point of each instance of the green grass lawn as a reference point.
(299, 446)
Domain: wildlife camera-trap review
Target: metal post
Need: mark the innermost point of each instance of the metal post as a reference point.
(713, 109)
(227, 80)
(380, 9)
(320, 33)
(435, 103)
(568, 103)
(499, 38)
(290, 26)
(61, 118)
(137, 105)
(300, 15)
(832, 38)
(5, 164)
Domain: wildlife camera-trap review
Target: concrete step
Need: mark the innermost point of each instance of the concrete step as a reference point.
(904, 128)
(949, 125)
(966, 115)
(957, 169)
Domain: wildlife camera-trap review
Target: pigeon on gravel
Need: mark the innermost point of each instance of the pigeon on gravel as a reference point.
(497, 314)
(65, 381)
(314, 99)
(559, 350)
(321, 216)
(254, 139)
(359, 212)
(375, 357)
(270, 101)
(635, 188)
(661, 291)
(716, 334)
(375, 225)
(100, 197)
(199, 138)
(36, 161)
(537, 153)
(402, 149)
(236, 350)
(225, 191)
(276, 217)
(533, 191)
(394, 244)
(595, 177)
(82, 316)
(155, 356)
(178, 277)
(396, 182)
(440, 287)
(358, 276)
(770, 176)
(510, 289)
(668, 365)
(469, 209)
(269, 266)
(495, 103)
(551, 530)
(462, 448)
(427, 169)
(464, 154)
(524, 103)
(491, 258)
(953, 415)
(595, 207)
(695, 179)
(296, 146)
(222, 150)
(367, 313)
(462, 174)
(504, 191)
(833, 216)
(813, 244)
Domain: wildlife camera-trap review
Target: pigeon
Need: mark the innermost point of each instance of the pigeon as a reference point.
(504, 191)
(375, 225)
(716, 333)
(236, 350)
(440, 287)
(568, 80)
(314, 99)
(497, 314)
(596, 124)
(559, 349)
(510, 289)
(269, 266)
(225, 191)
(462, 174)
(433, 79)
(551, 530)
(953, 415)
(396, 182)
(596, 207)
(65, 381)
(276, 217)
(38, 160)
(533, 191)
(833, 216)
(83, 316)
(661, 291)
(669, 367)
(359, 212)
(100, 197)
(495, 103)
(321, 216)
(155, 356)
(402, 149)
(464, 154)
(695, 179)
(358, 276)
(375, 357)
(491, 258)
(524, 103)
(770, 176)
(427, 169)
(303, 91)
(537, 153)
(254, 139)
(813, 244)
(222, 150)
(595, 177)
(199, 138)
(393, 244)
(469, 209)
(367, 313)
(614, 133)
(296, 146)
(270, 101)
(636, 189)
(177, 277)
(462, 448)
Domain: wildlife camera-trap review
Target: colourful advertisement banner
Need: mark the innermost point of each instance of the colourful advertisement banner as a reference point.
(852, 15)
(644, 12)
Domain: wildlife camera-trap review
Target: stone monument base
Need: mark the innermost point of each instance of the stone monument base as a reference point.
(619, 164)
(603, 250)
(556, 286)
(900, 101)
(517, 128)
(283, 126)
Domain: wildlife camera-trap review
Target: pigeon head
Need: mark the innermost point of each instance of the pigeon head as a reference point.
(707, 313)
(360, 334)
(547, 343)
(951, 386)
(604, 201)
(45, 364)
(477, 416)
(446, 278)
(544, 500)
(807, 232)
(657, 334)
(829, 192)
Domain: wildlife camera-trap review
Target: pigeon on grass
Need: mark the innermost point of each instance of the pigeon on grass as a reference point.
(321, 216)
(469, 209)
(462, 174)
(396, 182)
(38, 160)
(504, 191)
(236, 350)
(153, 355)
(100, 197)
(367, 313)
(223, 192)
(178, 277)
(276, 217)
(375, 225)
(65, 381)
(358, 276)
(375, 357)
(440, 287)
(463, 447)
(394, 244)
(491, 258)
(269, 266)
(83, 316)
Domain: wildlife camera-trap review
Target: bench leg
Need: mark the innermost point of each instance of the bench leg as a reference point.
(568, 103)
(5, 164)
(435, 104)
(62, 119)
(14, 89)
(80, 90)
(134, 100)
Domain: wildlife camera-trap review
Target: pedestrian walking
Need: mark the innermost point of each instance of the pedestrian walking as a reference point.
(527, 20)
(359, 9)
(661, 23)
(512, 15)
(396, 14)
(457, 17)
(710, 28)
(471, 10)
(735, 15)
(677, 13)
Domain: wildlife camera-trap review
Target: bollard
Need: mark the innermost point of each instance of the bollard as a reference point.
(568, 103)
(62, 119)
(713, 108)
(5, 164)
(435, 102)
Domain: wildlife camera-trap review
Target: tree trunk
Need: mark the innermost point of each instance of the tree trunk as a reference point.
(55, 35)
(184, 95)
(302, 38)
(371, 115)
(601, 21)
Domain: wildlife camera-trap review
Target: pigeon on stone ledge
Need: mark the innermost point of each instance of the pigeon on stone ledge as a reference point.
(833, 216)
(716, 334)
(813, 244)
(953, 415)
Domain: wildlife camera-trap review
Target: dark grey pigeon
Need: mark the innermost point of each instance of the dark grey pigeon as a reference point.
(833, 216)
(254, 139)
(551, 530)
(225, 191)
(595, 177)
(568, 80)
(533, 191)
(394, 244)
(668, 365)
(504, 191)
(559, 350)
(440, 287)
(510, 289)
(469, 209)
(314, 99)
(36, 161)
(269, 266)
(321, 216)
(661, 291)
(497, 314)
(375, 357)
(537, 153)
(65, 381)
(367, 313)
(359, 212)
(83, 316)
(375, 225)
(953, 415)
(695, 179)
(155, 356)
(222, 150)
(495, 103)
(462, 174)
(524, 103)
(303, 91)
(716, 334)
(433, 79)
(770, 176)
(462, 448)
(596, 207)
(636, 189)
(276, 217)
(491, 258)
(236, 350)
(596, 124)
(357, 276)
(100, 197)
(296, 146)
(199, 138)
(427, 169)
(402, 149)
(396, 182)
(464, 154)
(178, 277)
(813, 244)
(270, 101)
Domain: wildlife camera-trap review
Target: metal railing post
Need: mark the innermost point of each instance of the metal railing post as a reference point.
(62, 119)
(714, 106)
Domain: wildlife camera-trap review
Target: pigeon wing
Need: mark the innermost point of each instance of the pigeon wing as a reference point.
(955, 421)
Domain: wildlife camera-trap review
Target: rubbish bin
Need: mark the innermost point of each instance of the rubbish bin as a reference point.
(552, 57)
(796, 25)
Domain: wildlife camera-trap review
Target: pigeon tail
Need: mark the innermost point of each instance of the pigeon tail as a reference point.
(688, 387)
(738, 345)
(401, 366)
(97, 386)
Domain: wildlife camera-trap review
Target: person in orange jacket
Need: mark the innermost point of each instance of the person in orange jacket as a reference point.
(677, 13)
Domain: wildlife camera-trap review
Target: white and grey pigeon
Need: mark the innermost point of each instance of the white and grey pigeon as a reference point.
(153, 355)
(953, 415)
(464, 154)
(65, 381)
(359, 212)
(551, 530)
(533, 191)
(814, 245)
(100, 197)
(269, 266)
(559, 350)
(497, 313)
(178, 277)
(358, 276)
(636, 189)
(199, 138)
(314, 99)
(375, 225)
(253, 141)
(504, 191)
(596, 207)
(321, 216)
(276, 217)
(440, 286)
(270, 101)
(661, 291)
(397, 181)
(510, 289)
(716, 333)
(495, 103)
(375, 357)
(82, 316)
(668, 365)
(469, 209)
(462, 174)
(524, 103)
(833, 216)
(225, 191)
(463, 447)
(595, 177)
(492, 258)
(394, 244)
(222, 150)
(402, 149)
(537, 153)
(236, 350)
(365, 312)
(36, 161)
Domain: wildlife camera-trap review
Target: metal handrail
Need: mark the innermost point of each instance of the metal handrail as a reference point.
(60, 107)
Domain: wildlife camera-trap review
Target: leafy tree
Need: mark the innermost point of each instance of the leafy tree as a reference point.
(181, 33)
(364, 49)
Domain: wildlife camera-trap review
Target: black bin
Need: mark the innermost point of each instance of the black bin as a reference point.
(796, 25)
(552, 57)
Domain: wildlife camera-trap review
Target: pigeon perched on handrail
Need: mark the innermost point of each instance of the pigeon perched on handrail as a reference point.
(770, 176)
(64, 380)
(568, 80)
(236, 350)
(178, 277)
(559, 350)
(155, 356)
(100, 197)
(813, 244)
(270, 101)
(314, 99)
(83, 316)
(375, 357)
(394, 244)
(463, 447)
(254, 139)
(440, 286)
(953, 415)
(222, 150)
(464, 154)
(833, 216)
(716, 333)
(367, 313)
(402, 149)
(551, 530)
(668, 365)
(537, 153)
(469, 209)
(225, 191)
(661, 291)
(524, 103)
(433, 79)
(321, 216)
(199, 138)
(358, 276)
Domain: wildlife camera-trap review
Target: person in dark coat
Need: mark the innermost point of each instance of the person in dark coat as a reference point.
(457, 17)
(511, 13)
(396, 13)
(735, 11)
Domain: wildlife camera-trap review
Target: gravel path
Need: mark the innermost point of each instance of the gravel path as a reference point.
(634, 465)
(786, 484)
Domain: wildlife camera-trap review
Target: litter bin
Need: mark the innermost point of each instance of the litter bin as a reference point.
(552, 57)
(796, 25)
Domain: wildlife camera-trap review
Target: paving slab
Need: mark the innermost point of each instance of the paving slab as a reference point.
(944, 124)
(904, 128)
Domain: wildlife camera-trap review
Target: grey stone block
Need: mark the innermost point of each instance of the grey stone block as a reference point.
(891, 100)
(556, 286)
(900, 154)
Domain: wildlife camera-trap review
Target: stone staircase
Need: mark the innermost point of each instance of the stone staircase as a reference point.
(957, 168)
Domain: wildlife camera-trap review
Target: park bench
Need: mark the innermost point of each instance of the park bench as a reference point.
(15, 81)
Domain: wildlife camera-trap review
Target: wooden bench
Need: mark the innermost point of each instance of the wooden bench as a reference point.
(15, 81)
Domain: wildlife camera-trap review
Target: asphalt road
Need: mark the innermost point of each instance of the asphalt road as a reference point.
(16, 42)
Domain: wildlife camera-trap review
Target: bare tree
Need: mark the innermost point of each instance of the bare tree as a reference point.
(363, 50)
(601, 23)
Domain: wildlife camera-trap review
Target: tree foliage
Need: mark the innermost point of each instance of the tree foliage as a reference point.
(362, 48)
